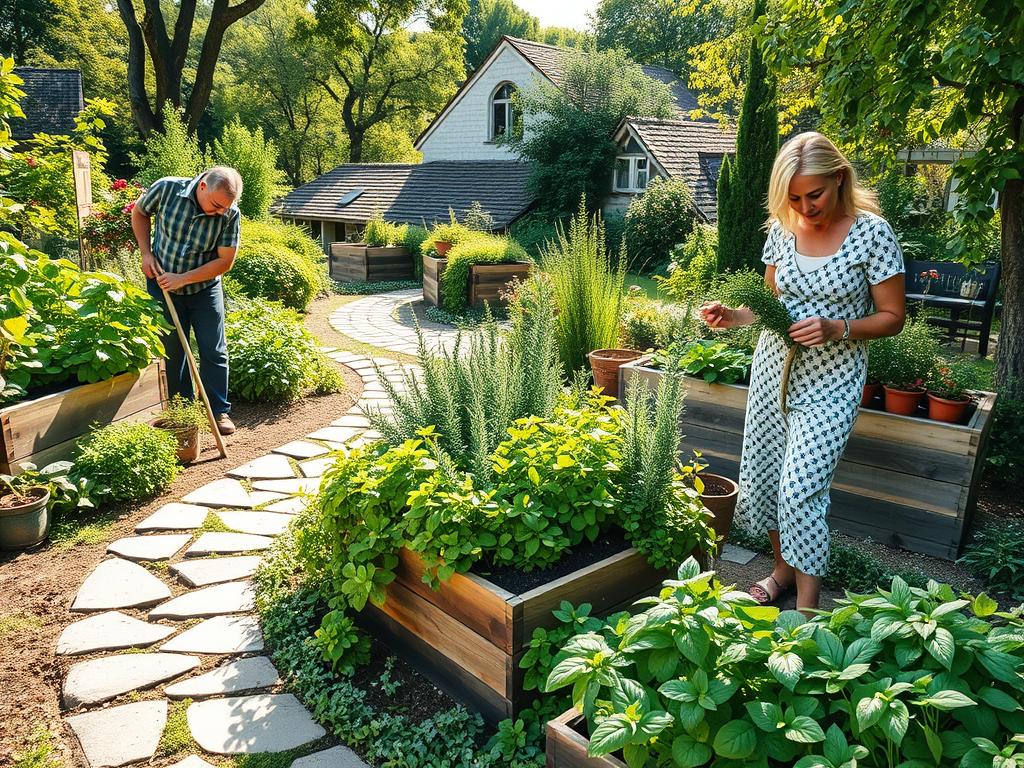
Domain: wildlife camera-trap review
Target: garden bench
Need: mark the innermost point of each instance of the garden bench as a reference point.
(959, 291)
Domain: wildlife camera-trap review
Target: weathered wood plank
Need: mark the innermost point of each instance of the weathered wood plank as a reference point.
(488, 281)
(566, 748)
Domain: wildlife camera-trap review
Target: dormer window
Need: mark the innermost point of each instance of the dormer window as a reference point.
(502, 117)
(632, 168)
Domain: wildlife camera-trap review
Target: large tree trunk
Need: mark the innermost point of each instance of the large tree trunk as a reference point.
(145, 120)
(1010, 355)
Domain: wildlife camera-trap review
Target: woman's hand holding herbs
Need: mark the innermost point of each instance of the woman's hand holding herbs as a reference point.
(716, 315)
(815, 331)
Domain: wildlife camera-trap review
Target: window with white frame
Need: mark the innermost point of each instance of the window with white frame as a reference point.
(632, 168)
(502, 117)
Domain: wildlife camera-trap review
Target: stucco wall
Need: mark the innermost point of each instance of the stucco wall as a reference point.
(463, 134)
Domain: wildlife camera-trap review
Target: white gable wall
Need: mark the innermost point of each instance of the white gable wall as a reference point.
(464, 132)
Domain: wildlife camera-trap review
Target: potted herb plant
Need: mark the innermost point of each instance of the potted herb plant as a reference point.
(444, 236)
(28, 500)
(902, 362)
(718, 494)
(949, 385)
(186, 420)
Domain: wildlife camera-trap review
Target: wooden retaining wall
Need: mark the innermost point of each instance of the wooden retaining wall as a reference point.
(487, 282)
(568, 749)
(433, 268)
(47, 429)
(354, 262)
(902, 480)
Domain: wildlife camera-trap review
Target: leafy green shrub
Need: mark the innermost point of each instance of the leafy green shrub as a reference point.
(273, 357)
(380, 233)
(996, 555)
(693, 266)
(172, 152)
(255, 159)
(1006, 441)
(128, 461)
(706, 676)
(481, 249)
(450, 232)
(656, 221)
(903, 361)
(712, 361)
(183, 413)
(647, 323)
(533, 231)
(293, 237)
(276, 273)
(477, 218)
(588, 290)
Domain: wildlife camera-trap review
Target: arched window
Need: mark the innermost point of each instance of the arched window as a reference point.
(502, 117)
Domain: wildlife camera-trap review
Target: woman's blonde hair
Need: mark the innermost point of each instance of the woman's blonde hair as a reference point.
(812, 154)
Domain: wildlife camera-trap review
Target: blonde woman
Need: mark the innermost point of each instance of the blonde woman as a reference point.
(837, 266)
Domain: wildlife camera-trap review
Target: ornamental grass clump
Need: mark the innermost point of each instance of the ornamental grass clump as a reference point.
(128, 461)
(588, 289)
(748, 289)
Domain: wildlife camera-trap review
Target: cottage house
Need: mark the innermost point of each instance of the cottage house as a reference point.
(53, 99)
(464, 161)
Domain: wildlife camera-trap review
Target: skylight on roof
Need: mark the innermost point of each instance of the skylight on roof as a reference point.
(350, 196)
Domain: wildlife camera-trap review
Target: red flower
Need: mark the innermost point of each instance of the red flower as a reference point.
(31, 162)
(128, 208)
(118, 185)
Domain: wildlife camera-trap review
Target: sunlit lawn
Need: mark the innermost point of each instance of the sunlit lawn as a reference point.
(647, 283)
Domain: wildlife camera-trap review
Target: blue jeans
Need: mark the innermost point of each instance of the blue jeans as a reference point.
(203, 314)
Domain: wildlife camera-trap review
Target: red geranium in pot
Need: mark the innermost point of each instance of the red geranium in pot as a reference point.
(949, 389)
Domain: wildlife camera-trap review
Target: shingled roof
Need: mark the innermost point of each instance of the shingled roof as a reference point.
(688, 150)
(52, 101)
(412, 193)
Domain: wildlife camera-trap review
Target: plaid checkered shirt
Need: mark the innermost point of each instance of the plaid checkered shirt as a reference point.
(183, 236)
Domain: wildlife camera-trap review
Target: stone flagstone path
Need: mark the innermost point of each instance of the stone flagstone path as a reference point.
(371, 320)
(190, 628)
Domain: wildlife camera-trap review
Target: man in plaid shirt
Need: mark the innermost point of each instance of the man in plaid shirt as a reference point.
(195, 234)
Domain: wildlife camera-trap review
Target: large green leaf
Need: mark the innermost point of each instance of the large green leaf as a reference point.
(736, 740)
(804, 730)
(612, 733)
(787, 668)
(687, 752)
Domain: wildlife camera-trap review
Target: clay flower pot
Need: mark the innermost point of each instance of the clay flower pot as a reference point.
(903, 402)
(719, 496)
(25, 521)
(189, 440)
(605, 365)
(871, 391)
(442, 247)
(941, 409)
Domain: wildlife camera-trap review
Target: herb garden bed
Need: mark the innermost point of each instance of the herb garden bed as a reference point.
(567, 746)
(470, 635)
(47, 428)
(351, 262)
(487, 282)
(433, 268)
(905, 481)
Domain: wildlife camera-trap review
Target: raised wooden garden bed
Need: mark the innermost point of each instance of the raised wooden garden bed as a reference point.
(487, 282)
(352, 262)
(567, 746)
(469, 636)
(46, 429)
(905, 481)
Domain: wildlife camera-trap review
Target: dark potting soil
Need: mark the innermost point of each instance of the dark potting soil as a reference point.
(517, 581)
(14, 501)
(714, 486)
(404, 691)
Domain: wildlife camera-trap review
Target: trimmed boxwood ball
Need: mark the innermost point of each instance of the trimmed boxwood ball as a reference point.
(294, 237)
(274, 272)
(128, 461)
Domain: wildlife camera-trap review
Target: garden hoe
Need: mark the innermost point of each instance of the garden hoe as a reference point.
(217, 437)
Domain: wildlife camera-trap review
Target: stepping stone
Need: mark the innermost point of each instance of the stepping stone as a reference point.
(290, 487)
(265, 468)
(301, 449)
(220, 493)
(200, 573)
(335, 434)
(174, 517)
(120, 735)
(109, 632)
(118, 583)
(221, 634)
(351, 420)
(158, 547)
(98, 680)
(192, 761)
(261, 523)
(230, 597)
(317, 467)
(290, 506)
(337, 446)
(734, 554)
(248, 724)
(220, 543)
(335, 757)
(259, 498)
(234, 677)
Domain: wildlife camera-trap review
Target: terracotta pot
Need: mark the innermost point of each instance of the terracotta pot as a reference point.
(442, 247)
(605, 365)
(941, 409)
(189, 441)
(722, 506)
(903, 401)
(25, 524)
(871, 391)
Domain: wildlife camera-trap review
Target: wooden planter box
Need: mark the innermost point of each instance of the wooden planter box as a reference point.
(568, 749)
(352, 262)
(47, 429)
(486, 281)
(469, 636)
(433, 268)
(902, 480)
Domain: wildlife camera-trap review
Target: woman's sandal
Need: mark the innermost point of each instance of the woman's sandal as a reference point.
(767, 597)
